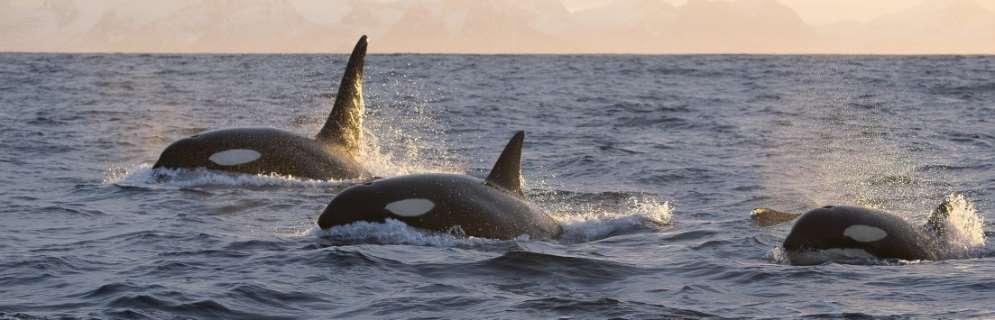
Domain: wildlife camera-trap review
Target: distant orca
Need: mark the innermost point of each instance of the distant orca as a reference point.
(330, 155)
(875, 232)
(491, 208)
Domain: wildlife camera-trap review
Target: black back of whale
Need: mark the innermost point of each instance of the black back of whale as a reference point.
(458, 201)
(491, 208)
(279, 151)
(825, 228)
(330, 155)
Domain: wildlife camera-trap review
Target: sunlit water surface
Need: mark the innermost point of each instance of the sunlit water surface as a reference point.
(652, 165)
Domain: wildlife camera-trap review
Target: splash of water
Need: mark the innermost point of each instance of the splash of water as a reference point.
(842, 256)
(143, 175)
(631, 214)
(964, 233)
(403, 137)
(393, 153)
(393, 231)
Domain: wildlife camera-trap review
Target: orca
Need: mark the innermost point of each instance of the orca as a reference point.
(863, 230)
(332, 154)
(494, 207)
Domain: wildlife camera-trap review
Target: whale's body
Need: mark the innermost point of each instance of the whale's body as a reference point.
(261, 151)
(491, 208)
(877, 233)
(860, 232)
(332, 154)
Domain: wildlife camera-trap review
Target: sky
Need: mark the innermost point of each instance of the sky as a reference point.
(824, 12)
(502, 26)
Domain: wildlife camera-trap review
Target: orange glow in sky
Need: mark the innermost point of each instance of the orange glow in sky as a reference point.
(502, 26)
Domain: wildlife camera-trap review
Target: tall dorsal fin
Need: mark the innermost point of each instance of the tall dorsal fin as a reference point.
(507, 171)
(344, 126)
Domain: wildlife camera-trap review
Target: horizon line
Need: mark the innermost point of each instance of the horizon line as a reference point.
(690, 53)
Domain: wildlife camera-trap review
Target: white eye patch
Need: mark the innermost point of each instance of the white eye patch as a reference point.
(235, 157)
(864, 233)
(410, 207)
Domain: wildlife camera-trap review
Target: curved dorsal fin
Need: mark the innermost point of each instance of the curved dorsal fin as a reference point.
(507, 171)
(937, 222)
(344, 126)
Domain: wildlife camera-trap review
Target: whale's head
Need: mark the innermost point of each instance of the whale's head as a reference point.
(401, 198)
(239, 149)
(875, 232)
(189, 152)
(837, 227)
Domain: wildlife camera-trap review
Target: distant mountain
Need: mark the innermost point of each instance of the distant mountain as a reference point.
(482, 26)
(649, 26)
(479, 26)
(760, 26)
(626, 26)
(941, 26)
(954, 25)
(210, 26)
(22, 25)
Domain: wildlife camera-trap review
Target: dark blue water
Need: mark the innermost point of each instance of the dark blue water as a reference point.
(651, 163)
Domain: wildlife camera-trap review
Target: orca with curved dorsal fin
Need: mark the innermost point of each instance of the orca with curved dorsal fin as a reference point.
(492, 208)
(332, 154)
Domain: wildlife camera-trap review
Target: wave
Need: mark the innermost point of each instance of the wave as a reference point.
(158, 306)
(393, 231)
(842, 256)
(567, 307)
(144, 176)
(631, 214)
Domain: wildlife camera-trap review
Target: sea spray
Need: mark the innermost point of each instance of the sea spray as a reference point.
(143, 175)
(964, 234)
(632, 214)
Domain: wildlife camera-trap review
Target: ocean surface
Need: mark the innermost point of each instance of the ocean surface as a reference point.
(652, 164)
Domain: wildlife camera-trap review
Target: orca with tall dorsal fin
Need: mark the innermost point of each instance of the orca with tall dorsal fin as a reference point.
(494, 207)
(332, 154)
(877, 233)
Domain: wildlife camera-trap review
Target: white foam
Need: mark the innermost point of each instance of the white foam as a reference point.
(394, 231)
(964, 229)
(410, 207)
(847, 256)
(632, 213)
(235, 157)
(142, 175)
(843, 256)
(864, 233)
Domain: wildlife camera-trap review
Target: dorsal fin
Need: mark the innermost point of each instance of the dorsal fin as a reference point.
(507, 171)
(937, 222)
(344, 126)
(766, 217)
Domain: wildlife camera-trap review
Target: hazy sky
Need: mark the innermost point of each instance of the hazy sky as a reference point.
(501, 26)
(823, 12)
